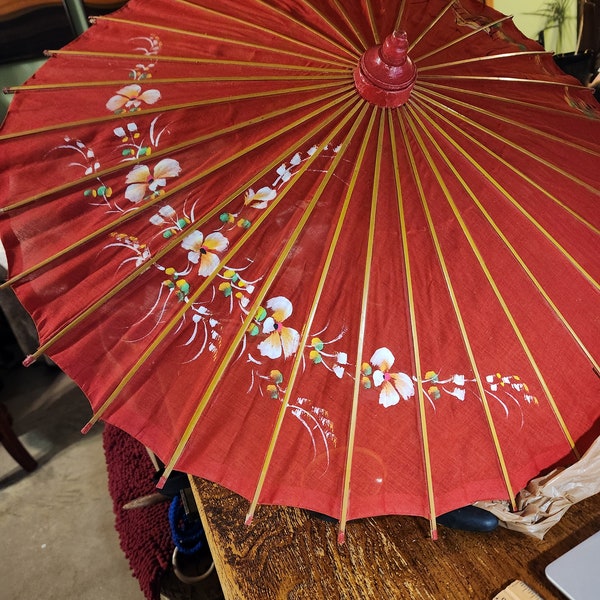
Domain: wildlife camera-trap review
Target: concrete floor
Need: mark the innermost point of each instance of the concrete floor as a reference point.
(57, 533)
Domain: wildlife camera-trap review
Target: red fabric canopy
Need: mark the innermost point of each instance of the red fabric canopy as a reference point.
(305, 297)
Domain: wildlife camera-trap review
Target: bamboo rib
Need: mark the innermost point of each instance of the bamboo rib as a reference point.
(400, 15)
(125, 217)
(356, 50)
(268, 281)
(413, 327)
(494, 286)
(460, 39)
(451, 292)
(167, 150)
(595, 284)
(67, 85)
(503, 161)
(499, 232)
(549, 82)
(229, 41)
(287, 16)
(466, 61)
(300, 22)
(158, 58)
(363, 319)
(430, 26)
(504, 140)
(496, 98)
(174, 322)
(169, 108)
(307, 326)
(371, 20)
(344, 14)
(178, 238)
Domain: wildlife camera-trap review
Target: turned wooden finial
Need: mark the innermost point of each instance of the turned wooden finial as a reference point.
(385, 75)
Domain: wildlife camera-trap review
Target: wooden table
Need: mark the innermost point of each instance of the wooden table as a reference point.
(288, 554)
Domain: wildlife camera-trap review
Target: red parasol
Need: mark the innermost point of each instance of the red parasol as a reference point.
(339, 256)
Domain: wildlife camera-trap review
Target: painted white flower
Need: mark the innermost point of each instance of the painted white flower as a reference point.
(260, 198)
(281, 339)
(131, 97)
(393, 385)
(142, 181)
(202, 250)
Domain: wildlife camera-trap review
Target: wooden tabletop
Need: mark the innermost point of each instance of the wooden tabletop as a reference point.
(289, 554)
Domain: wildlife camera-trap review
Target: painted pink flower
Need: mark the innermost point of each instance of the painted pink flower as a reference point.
(142, 181)
(131, 97)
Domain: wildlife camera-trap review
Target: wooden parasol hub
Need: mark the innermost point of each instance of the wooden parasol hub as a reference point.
(385, 75)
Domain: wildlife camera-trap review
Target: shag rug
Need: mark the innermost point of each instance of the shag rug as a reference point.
(144, 533)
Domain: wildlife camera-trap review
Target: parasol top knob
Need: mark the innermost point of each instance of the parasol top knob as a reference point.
(385, 75)
(394, 50)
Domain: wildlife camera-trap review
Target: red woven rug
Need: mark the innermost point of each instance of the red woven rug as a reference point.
(144, 532)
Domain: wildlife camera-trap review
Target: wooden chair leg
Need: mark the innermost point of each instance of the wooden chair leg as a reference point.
(11, 442)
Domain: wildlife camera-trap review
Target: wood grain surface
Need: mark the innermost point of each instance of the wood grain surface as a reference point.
(289, 554)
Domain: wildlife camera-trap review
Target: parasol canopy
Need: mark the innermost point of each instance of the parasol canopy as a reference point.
(340, 255)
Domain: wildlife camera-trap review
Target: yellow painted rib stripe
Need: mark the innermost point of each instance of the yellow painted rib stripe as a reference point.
(502, 236)
(363, 44)
(288, 18)
(417, 59)
(68, 85)
(197, 60)
(430, 26)
(371, 22)
(532, 106)
(208, 280)
(478, 59)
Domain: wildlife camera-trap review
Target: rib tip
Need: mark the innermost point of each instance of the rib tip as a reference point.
(87, 428)
(161, 482)
(249, 519)
(341, 539)
(29, 360)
